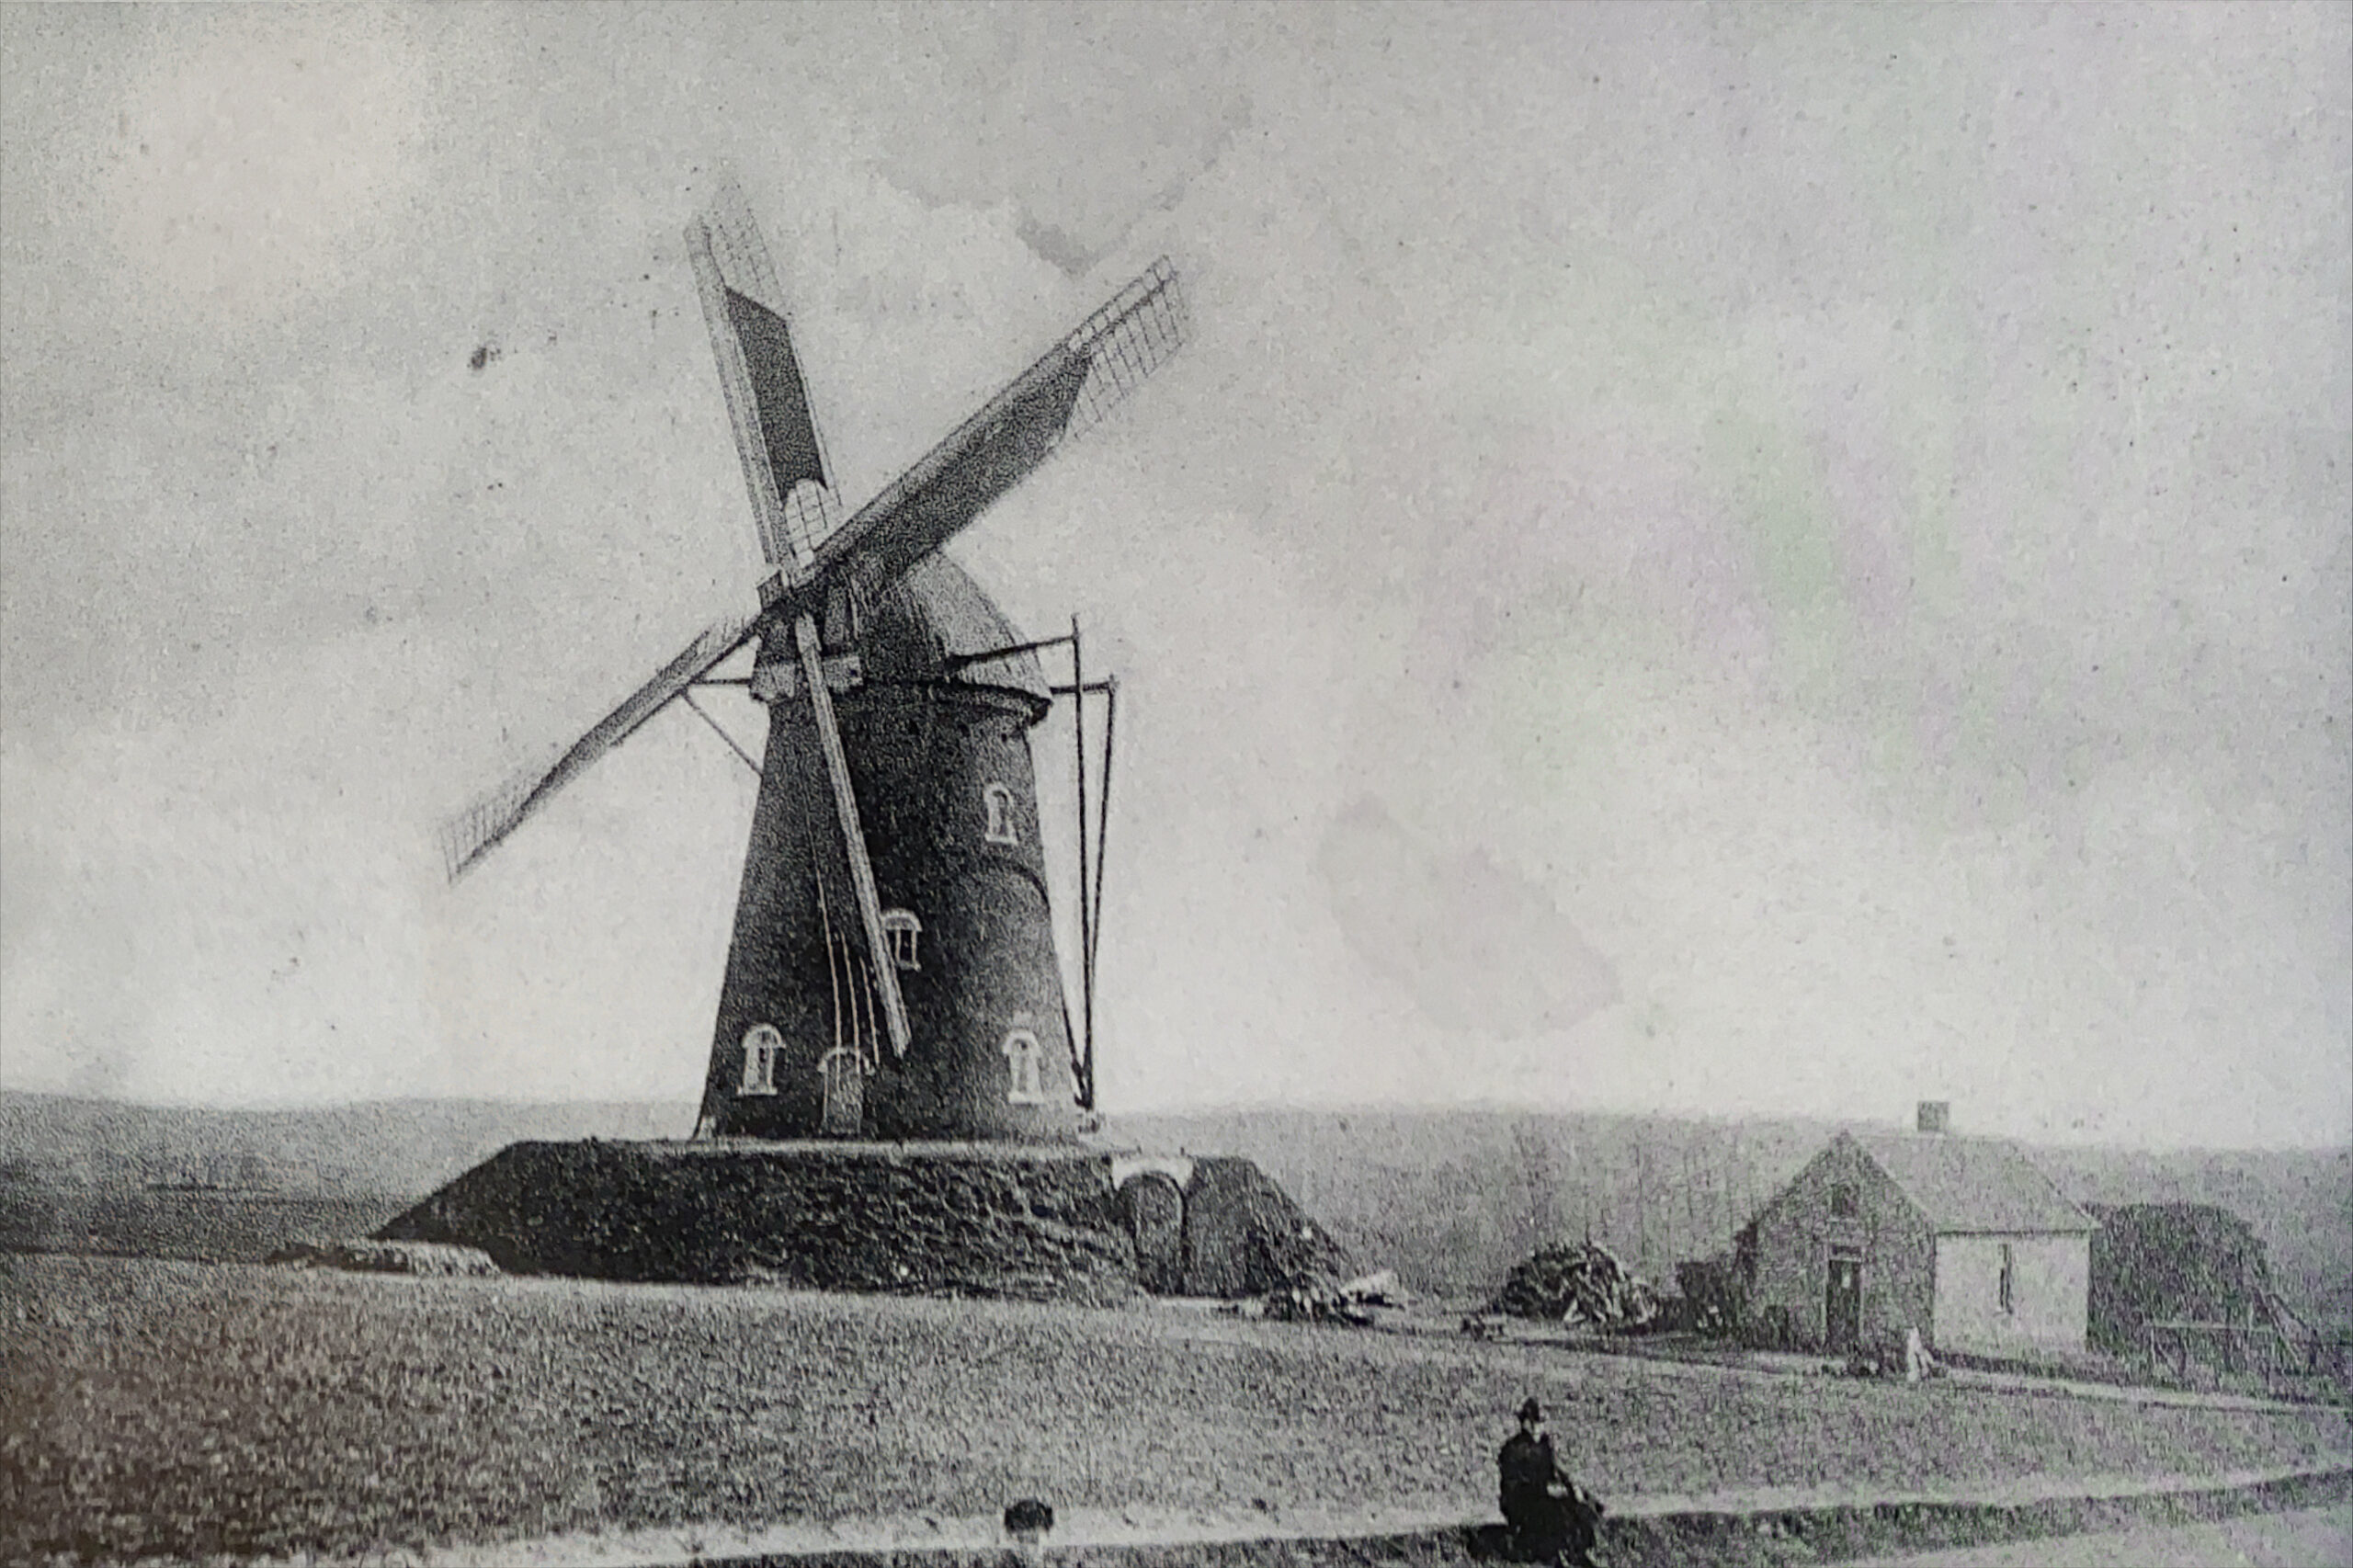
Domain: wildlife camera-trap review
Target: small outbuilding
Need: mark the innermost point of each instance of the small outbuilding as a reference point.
(1961, 1238)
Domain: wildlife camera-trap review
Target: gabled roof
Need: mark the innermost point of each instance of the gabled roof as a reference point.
(1971, 1185)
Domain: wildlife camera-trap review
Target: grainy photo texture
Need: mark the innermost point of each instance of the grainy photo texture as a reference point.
(1175, 786)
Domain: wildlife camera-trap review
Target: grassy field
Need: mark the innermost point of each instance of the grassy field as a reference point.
(160, 1408)
(195, 1227)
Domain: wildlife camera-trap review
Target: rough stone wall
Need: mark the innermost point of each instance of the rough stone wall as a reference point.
(1032, 1223)
(1796, 1232)
(1243, 1236)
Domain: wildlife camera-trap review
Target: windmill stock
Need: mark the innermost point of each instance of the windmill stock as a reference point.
(891, 972)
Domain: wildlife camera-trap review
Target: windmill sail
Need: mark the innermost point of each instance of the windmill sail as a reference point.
(1069, 391)
(473, 831)
(768, 397)
(786, 427)
(1077, 384)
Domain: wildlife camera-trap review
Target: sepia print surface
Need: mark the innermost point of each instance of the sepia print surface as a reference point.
(1175, 785)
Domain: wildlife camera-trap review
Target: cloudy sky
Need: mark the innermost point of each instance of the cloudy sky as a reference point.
(1700, 560)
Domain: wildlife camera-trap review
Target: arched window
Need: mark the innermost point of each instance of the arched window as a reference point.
(1001, 828)
(762, 1046)
(1023, 1084)
(900, 930)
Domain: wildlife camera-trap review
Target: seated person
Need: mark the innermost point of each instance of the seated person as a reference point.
(1551, 1518)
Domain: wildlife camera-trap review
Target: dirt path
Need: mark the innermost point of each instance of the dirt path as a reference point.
(1161, 1530)
(2318, 1538)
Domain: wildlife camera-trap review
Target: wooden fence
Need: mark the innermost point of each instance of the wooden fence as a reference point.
(2266, 1350)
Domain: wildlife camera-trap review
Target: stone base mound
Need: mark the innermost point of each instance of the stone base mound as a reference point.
(1039, 1222)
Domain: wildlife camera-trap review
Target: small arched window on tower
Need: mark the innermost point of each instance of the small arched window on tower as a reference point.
(1001, 828)
(762, 1046)
(900, 931)
(1023, 1083)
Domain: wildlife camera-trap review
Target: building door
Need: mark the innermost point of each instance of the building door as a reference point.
(1156, 1218)
(845, 1087)
(1842, 1301)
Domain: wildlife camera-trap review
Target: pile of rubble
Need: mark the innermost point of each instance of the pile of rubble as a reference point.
(1583, 1283)
(1315, 1300)
(370, 1257)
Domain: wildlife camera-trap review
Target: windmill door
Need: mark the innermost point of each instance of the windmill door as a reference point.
(1842, 1301)
(845, 1088)
(1156, 1217)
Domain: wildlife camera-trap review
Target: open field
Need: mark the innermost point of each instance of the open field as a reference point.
(192, 1226)
(158, 1408)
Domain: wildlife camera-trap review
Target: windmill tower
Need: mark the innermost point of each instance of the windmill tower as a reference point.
(893, 971)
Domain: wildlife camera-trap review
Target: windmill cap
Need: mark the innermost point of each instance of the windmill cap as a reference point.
(922, 626)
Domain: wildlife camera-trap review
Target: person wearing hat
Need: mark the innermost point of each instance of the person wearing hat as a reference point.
(1550, 1518)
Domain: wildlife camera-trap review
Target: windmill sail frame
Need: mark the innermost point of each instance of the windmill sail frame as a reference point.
(1070, 390)
(1074, 387)
(751, 337)
(482, 824)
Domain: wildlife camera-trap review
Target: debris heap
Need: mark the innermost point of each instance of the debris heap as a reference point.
(1317, 1300)
(1314, 1301)
(1580, 1283)
(371, 1256)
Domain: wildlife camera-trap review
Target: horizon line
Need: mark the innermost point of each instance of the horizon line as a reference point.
(1492, 1107)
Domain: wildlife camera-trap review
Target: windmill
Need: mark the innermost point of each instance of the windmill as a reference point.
(892, 972)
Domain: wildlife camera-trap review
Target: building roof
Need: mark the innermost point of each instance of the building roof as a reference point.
(935, 616)
(1971, 1185)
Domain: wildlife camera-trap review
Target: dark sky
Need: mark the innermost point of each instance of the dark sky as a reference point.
(1706, 560)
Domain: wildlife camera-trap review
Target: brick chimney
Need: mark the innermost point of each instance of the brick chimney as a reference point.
(1935, 1116)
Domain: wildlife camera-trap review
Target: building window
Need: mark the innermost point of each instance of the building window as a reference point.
(1842, 1201)
(900, 930)
(2009, 1282)
(762, 1046)
(1001, 828)
(1023, 1084)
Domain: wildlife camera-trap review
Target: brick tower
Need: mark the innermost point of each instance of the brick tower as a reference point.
(936, 737)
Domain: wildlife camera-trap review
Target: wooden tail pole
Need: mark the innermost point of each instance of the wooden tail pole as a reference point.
(861, 870)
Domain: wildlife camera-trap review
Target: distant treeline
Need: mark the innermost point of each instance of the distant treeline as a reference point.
(404, 1148)
(1450, 1200)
